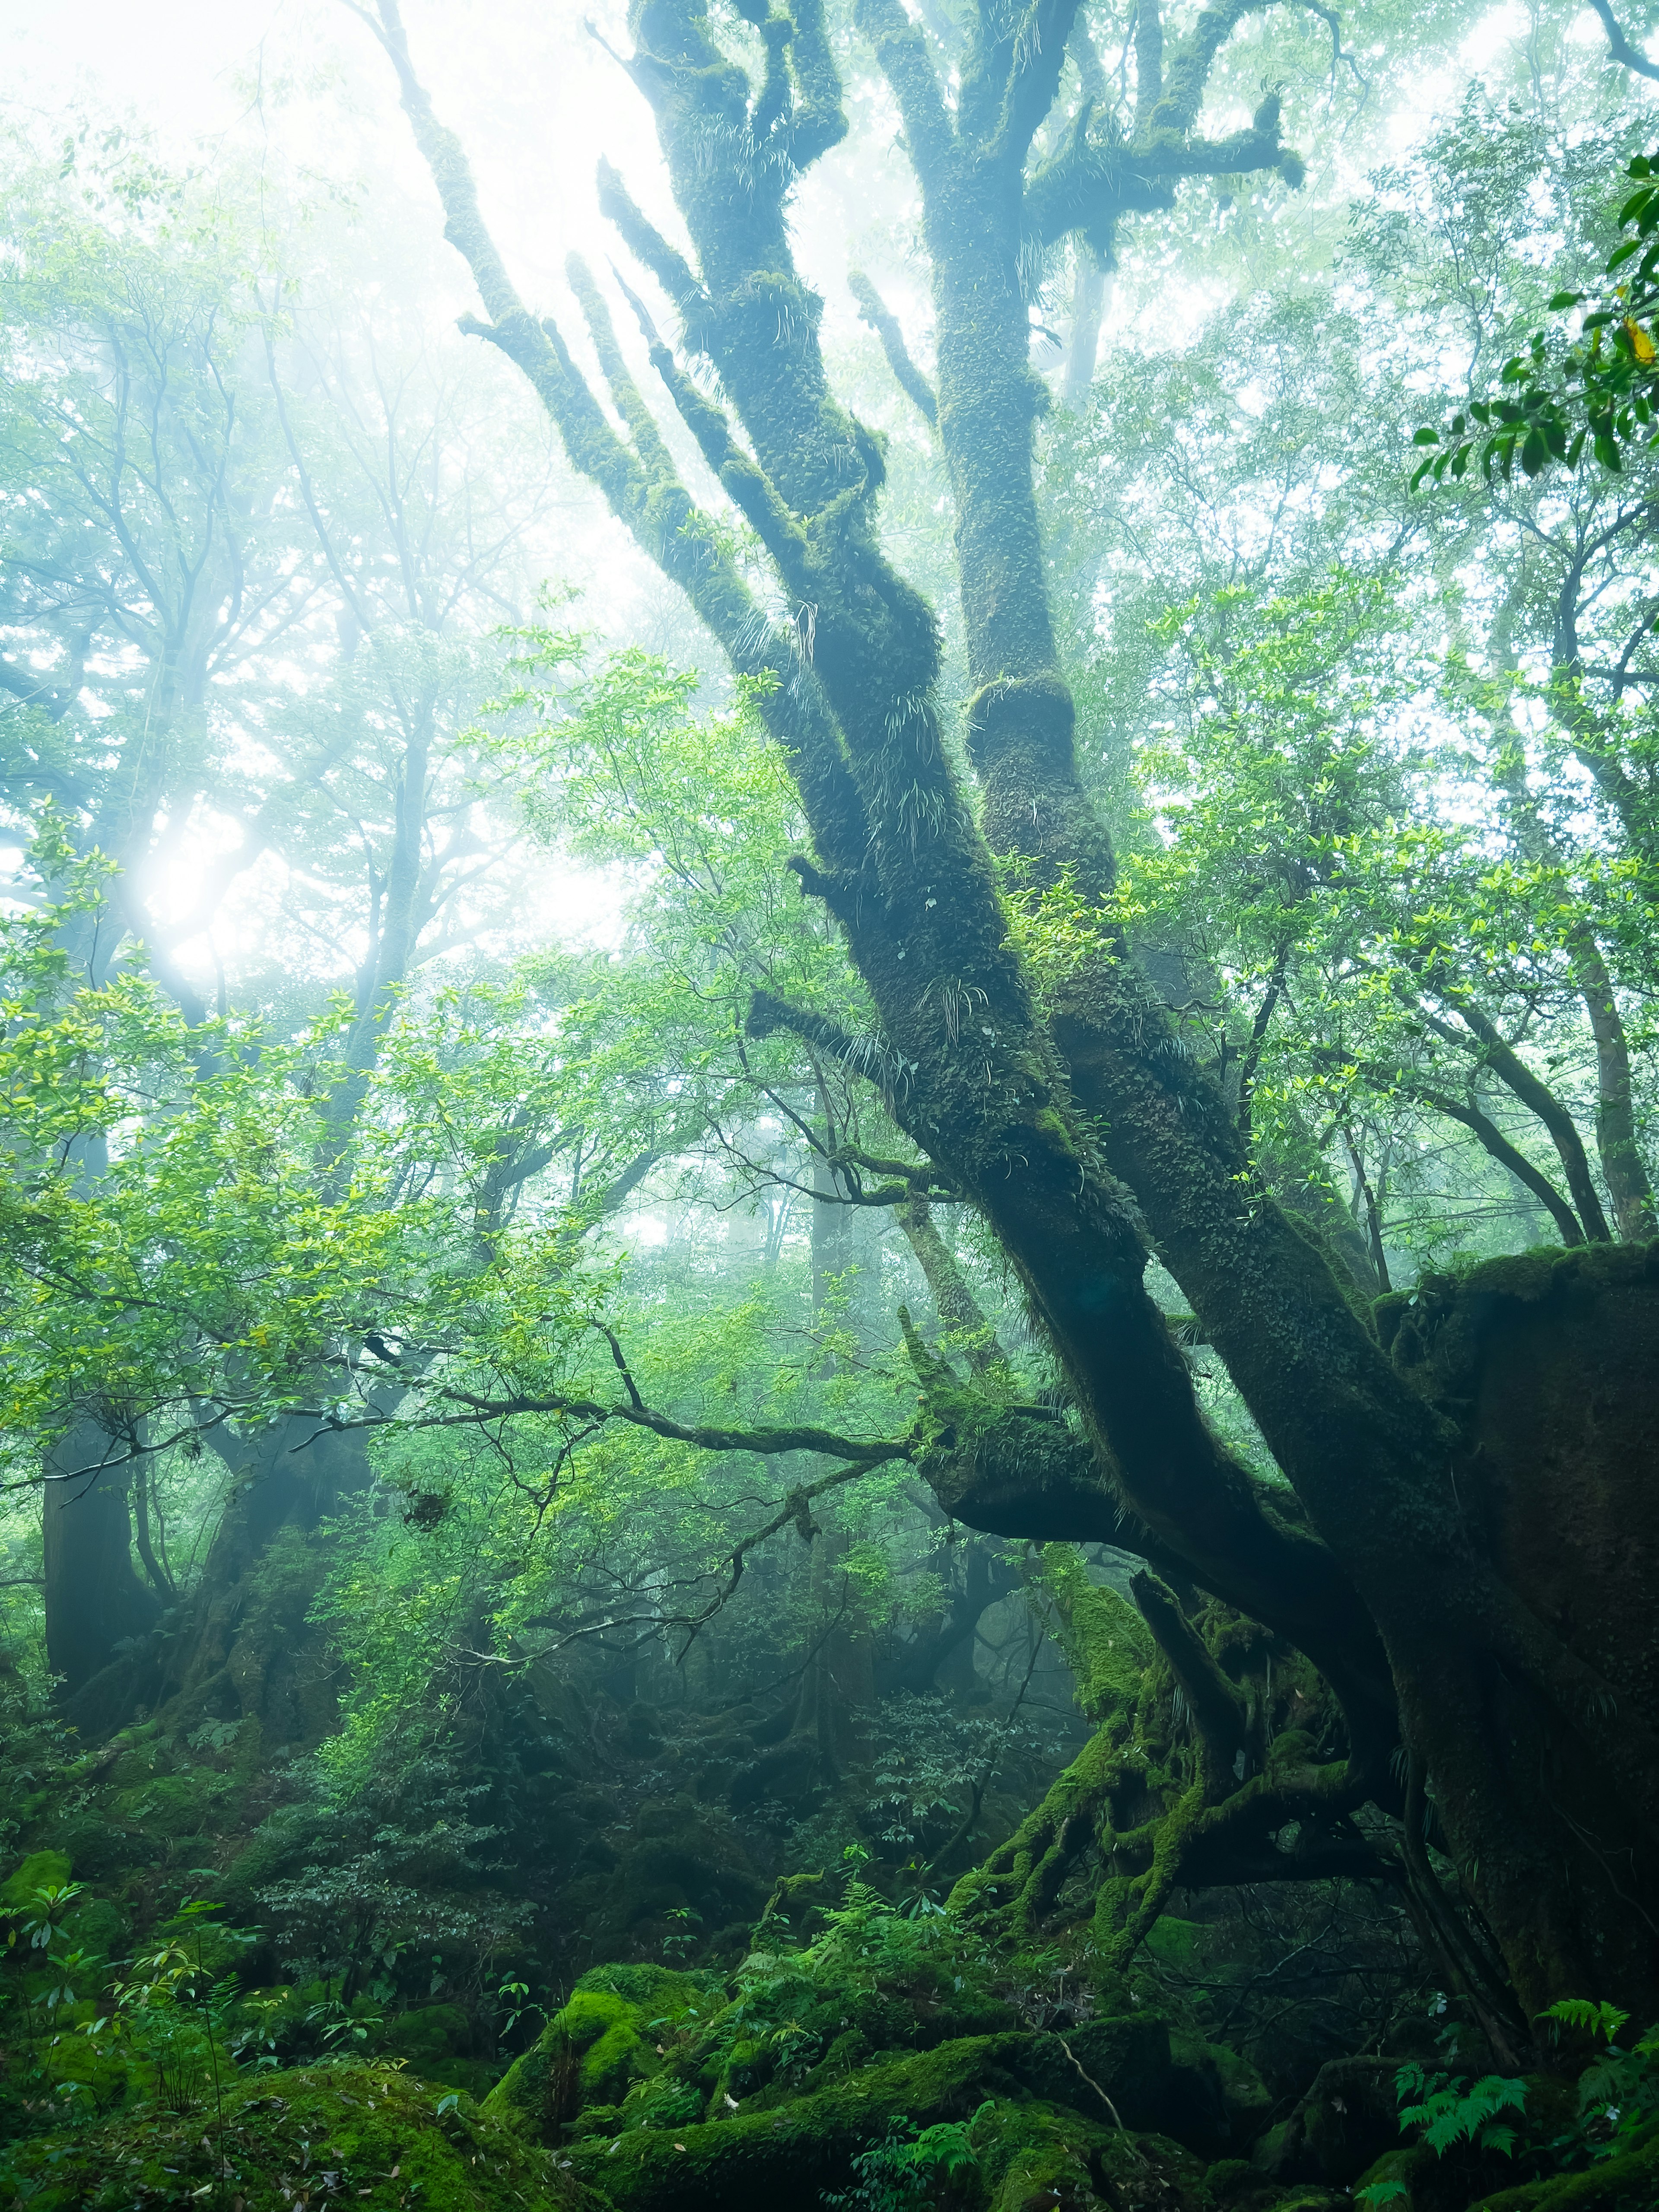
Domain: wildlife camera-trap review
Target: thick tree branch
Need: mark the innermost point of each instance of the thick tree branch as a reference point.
(901, 51)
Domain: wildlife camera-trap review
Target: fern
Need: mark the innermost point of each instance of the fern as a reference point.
(1451, 2109)
(1603, 2020)
(1619, 2091)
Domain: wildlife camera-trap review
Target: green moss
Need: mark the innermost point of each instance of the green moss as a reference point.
(40, 1870)
(173, 1804)
(1174, 1942)
(1630, 2184)
(335, 2133)
(664, 2102)
(600, 2044)
(1107, 1642)
(1436, 1324)
(97, 1927)
(434, 2039)
(1249, 2101)
(765, 2159)
(605, 2032)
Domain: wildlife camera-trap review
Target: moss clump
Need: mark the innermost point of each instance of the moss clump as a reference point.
(173, 1804)
(1030, 2152)
(40, 1870)
(788, 2154)
(1630, 2184)
(364, 2134)
(1439, 1327)
(600, 2044)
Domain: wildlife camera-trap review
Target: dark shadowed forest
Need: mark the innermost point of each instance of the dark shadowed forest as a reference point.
(830, 1082)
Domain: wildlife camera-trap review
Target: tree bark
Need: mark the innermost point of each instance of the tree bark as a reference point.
(1616, 1143)
(1081, 1135)
(93, 1600)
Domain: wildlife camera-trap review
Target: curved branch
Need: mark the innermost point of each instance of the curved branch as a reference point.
(856, 1453)
(1507, 1156)
(1620, 48)
(874, 311)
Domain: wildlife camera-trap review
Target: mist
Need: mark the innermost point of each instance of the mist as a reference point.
(827, 1073)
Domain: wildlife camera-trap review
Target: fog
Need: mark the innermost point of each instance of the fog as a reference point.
(829, 1099)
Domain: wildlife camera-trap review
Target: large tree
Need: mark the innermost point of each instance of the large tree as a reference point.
(1430, 1550)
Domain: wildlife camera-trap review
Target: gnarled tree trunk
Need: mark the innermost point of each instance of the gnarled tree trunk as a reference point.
(1082, 1132)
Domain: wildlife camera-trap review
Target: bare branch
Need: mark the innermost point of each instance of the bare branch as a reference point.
(881, 319)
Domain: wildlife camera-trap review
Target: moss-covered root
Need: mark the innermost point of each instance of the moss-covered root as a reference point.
(369, 2136)
(1109, 1647)
(1029, 2151)
(1630, 2184)
(1020, 1879)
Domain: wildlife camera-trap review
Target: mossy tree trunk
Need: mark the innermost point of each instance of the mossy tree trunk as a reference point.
(1081, 1131)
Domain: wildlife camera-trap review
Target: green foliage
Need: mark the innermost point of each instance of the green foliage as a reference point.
(1451, 2109)
(911, 2168)
(1599, 389)
(391, 1891)
(1617, 2092)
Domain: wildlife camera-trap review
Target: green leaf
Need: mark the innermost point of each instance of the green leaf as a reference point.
(1425, 437)
(1561, 302)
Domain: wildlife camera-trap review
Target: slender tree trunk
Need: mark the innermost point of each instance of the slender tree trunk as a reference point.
(93, 1600)
(1622, 1164)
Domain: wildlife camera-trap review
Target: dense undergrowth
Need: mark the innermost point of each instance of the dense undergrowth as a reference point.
(227, 1982)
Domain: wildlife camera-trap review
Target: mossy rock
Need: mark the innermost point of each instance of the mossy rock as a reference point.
(97, 1927)
(40, 1870)
(1248, 2100)
(173, 1804)
(663, 2102)
(1629, 2183)
(1233, 2185)
(755, 2160)
(367, 2134)
(1174, 1941)
(102, 1849)
(600, 2044)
